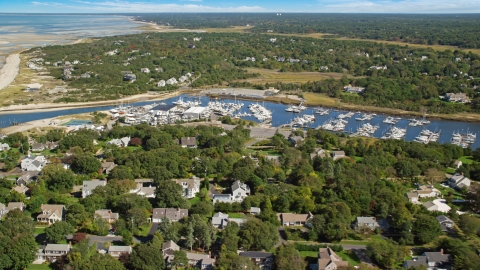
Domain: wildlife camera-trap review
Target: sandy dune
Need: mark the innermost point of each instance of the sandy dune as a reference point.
(9, 70)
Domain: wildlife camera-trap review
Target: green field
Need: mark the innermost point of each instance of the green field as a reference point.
(144, 230)
(466, 159)
(39, 230)
(236, 215)
(346, 255)
(193, 201)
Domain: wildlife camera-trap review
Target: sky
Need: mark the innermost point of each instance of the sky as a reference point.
(316, 6)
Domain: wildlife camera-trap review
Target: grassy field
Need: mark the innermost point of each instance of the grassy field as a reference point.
(193, 201)
(446, 190)
(39, 230)
(315, 99)
(358, 159)
(236, 215)
(466, 159)
(273, 76)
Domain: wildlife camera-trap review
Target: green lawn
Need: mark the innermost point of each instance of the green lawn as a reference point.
(39, 267)
(144, 230)
(308, 253)
(466, 159)
(350, 257)
(193, 201)
(446, 190)
(39, 230)
(236, 215)
(358, 159)
(353, 242)
(450, 170)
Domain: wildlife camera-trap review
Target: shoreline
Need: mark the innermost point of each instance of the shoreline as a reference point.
(49, 107)
(10, 70)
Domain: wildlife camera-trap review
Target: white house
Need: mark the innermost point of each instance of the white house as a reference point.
(33, 163)
(171, 81)
(240, 191)
(123, 142)
(437, 205)
(190, 186)
(51, 213)
(458, 181)
(161, 83)
(4, 147)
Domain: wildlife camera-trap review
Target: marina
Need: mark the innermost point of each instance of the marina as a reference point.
(280, 117)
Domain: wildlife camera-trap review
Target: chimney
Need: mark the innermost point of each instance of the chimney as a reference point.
(374, 219)
(441, 251)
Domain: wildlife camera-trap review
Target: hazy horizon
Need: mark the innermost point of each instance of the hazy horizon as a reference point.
(246, 6)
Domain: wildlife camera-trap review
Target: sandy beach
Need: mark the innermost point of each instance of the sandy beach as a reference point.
(45, 107)
(10, 70)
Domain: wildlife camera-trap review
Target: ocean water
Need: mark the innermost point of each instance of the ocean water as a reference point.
(30, 30)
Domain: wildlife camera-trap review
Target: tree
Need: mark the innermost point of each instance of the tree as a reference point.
(180, 259)
(145, 256)
(190, 239)
(426, 228)
(232, 261)
(135, 141)
(58, 179)
(257, 235)
(288, 257)
(121, 172)
(469, 225)
(168, 230)
(58, 231)
(85, 164)
(230, 237)
(385, 253)
(102, 261)
(20, 251)
(434, 175)
(79, 236)
(202, 208)
(169, 195)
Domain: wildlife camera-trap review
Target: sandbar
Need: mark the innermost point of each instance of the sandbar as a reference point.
(10, 70)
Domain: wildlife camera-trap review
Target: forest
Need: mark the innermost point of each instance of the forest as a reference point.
(394, 76)
(432, 29)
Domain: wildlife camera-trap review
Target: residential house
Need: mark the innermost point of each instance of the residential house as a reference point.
(430, 260)
(123, 142)
(354, 89)
(457, 97)
(182, 79)
(107, 215)
(190, 186)
(458, 181)
(188, 142)
(457, 164)
(27, 177)
(33, 163)
(89, 186)
(145, 70)
(437, 205)
(255, 210)
(167, 250)
(11, 206)
(38, 147)
(328, 260)
(425, 191)
(295, 140)
(338, 155)
(173, 214)
(161, 83)
(445, 222)
(319, 152)
(201, 261)
(51, 213)
(263, 260)
(220, 220)
(290, 219)
(191, 46)
(240, 191)
(4, 147)
(107, 167)
(171, 81)
(145, 188)
(369, 222)
(117, 251)
(53, 252)
(412, 197)
(20, 189)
